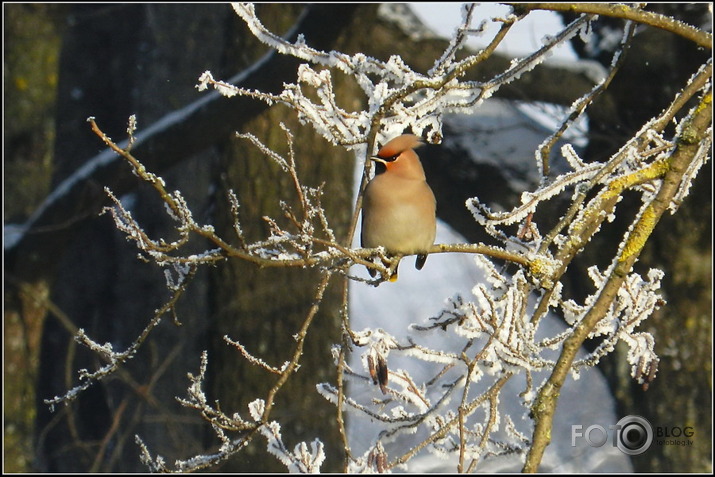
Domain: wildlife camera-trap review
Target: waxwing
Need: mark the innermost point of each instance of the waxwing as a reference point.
(399, 208)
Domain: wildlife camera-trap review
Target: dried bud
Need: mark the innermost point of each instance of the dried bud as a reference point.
(382, 373)
(377, 367)
(378, 458)
(645, 372)
(371, 368)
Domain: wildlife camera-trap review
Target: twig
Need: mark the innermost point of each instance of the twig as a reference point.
(627, 12)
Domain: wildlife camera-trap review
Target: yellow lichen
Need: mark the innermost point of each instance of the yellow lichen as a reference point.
(654, 171)
(541, 269)
(689, 135)
(707, 99)
(637, 239)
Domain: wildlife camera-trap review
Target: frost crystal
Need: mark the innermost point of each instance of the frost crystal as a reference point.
(257, 408)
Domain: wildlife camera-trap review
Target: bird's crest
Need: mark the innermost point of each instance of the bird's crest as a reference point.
(397, 145)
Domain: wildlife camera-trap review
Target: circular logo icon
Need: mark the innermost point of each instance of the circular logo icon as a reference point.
(634, 435)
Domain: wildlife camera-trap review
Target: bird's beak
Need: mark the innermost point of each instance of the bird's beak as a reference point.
(378, 159)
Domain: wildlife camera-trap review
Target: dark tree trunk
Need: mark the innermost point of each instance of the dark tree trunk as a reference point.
(120, 60)
(148, 60)
(264, 308)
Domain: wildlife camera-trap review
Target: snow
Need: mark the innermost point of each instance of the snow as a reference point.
(416, 296)
(395, 308)
(523, 38)
(408, 19)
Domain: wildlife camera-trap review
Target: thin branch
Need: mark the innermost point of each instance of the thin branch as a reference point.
(115, 360)
(442, 431)
(298, 352)
(582, 103)
(627, 12)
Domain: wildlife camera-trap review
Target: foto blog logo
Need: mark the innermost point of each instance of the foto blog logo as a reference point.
(632, 435)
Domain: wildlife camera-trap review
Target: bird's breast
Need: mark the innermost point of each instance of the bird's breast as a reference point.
(398, 215)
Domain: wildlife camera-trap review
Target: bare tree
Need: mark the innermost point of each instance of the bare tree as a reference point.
(499, 330)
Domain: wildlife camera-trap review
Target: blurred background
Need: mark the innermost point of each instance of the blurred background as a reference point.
(66, 267)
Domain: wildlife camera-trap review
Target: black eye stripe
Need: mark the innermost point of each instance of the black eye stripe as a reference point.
(380, 168)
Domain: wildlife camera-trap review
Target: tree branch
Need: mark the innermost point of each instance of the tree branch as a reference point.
(686, 151)
(700, 37)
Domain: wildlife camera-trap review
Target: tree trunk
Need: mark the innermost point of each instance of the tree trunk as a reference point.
(156, 53)
(120, 60)
(263, 308)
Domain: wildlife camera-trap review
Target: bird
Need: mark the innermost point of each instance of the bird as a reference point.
(399, 208)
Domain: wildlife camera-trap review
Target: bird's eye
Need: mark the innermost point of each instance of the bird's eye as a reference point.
(392, 158)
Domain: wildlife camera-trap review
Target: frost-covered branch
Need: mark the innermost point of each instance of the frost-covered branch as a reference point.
(694, 133)
(401, 98)
(579, 106)
(628, 12)
(301, 459)
(452, 407)
(283, 248)
(116, 359)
